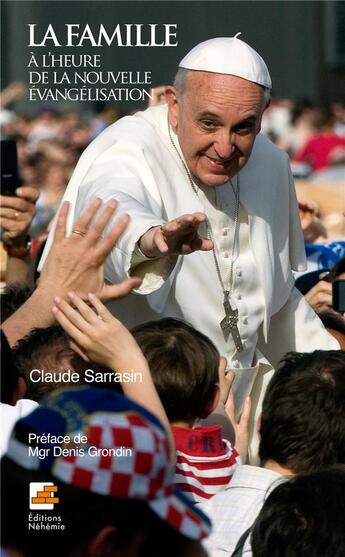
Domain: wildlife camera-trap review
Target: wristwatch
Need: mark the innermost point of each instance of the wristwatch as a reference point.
(20, 252)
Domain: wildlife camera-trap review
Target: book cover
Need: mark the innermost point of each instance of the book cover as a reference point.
(70, 70)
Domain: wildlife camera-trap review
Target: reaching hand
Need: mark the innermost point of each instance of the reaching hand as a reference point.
(77, 262)
(320, 296)
(312, 227)
(12, 92)
(179, 236)
(225, 380)
(16, 214)
(73, 264)
(98, 336)
(241, 427)
(103, 339)
(157, 95)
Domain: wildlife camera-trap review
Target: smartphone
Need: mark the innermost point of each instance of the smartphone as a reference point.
(338, 295)
(9, 167)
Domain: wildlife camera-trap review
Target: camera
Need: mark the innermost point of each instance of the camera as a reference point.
(338, 295)
(10, 180)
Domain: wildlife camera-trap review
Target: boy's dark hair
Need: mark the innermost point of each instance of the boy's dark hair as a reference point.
(303, 418)
(47, 349)
(184, 365)
(13, 297)
(84, 514)
(303, 517)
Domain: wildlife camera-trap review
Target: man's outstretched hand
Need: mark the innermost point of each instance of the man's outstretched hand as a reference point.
(77, 262)
(179, 236)
(74, 263)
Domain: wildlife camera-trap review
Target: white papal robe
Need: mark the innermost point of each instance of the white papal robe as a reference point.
(134, 161)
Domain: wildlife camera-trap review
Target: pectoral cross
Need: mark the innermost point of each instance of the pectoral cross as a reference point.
(229, 323)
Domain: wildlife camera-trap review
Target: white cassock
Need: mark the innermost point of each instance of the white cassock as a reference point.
(134, 161)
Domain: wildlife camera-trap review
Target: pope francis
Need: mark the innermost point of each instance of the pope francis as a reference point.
(214, 231)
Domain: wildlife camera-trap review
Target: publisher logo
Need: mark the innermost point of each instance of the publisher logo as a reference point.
(43, 495)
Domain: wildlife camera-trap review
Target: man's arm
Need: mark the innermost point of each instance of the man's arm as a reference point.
(295, 327)
(157, 250)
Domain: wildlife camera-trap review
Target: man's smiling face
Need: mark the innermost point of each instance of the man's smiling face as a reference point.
(217, 118)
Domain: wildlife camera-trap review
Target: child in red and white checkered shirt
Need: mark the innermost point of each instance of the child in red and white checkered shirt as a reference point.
(189, 376)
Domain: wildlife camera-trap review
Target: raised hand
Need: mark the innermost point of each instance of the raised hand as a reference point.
(179, 236)
(98, 336)
(16, 214)
(320, 296)
(312, 227)
(157, 95)
(74, 263)
(77, 262)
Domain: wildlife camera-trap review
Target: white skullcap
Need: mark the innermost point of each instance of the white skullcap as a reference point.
(228, 55)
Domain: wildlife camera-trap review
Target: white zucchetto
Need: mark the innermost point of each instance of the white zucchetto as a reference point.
(228, 55)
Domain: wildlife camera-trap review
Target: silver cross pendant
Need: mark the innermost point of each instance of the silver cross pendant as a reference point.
(229, 323)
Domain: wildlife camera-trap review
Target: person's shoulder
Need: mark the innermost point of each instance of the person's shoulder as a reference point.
(154, 115)
(144, 121)
(264, 147)
(133, 135)
(266, 162)
(139, 132)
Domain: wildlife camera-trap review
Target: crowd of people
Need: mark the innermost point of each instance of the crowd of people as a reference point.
(178, 332)
(49, 145)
